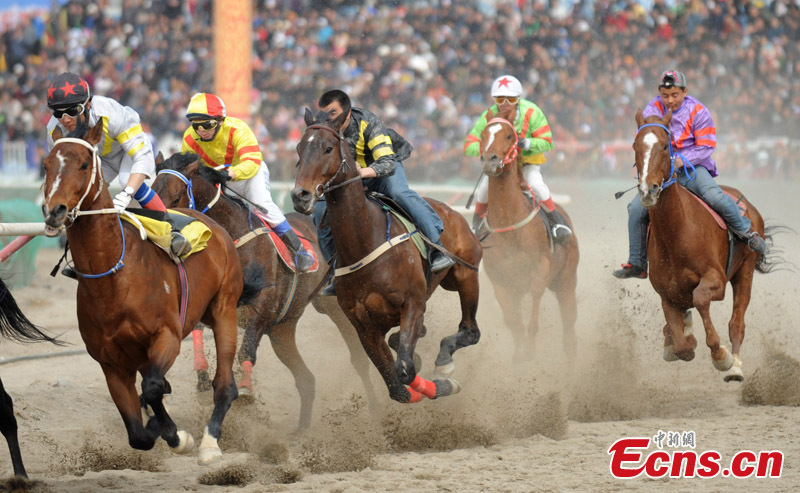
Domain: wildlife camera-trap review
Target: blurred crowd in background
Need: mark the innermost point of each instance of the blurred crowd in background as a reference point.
(425, 67)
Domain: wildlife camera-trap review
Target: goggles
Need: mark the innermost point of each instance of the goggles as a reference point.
(74, 111)
(205, 125)
(506, 99)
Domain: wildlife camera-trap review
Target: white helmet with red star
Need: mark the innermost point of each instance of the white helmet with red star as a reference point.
(507, 85)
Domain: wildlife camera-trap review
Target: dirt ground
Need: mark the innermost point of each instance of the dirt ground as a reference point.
(534, 426)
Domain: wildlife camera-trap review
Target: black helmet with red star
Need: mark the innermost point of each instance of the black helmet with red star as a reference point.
(68, 90)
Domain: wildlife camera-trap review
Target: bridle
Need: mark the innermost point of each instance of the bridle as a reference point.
(190, 189)
(672, 155)
(75, 212)
(321, 189)
(511, 155)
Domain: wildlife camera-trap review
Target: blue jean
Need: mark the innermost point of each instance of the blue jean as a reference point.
(704, 187)
(396, 187)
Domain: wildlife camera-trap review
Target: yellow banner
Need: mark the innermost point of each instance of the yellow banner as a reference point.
(233, 46)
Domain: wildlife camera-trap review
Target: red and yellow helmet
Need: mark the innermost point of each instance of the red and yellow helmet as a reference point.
(205, 105)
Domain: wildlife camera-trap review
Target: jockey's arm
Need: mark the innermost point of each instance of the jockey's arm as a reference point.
(704, 133)
(472, 144)
(247, 153)
(539, 134)
(379, 143)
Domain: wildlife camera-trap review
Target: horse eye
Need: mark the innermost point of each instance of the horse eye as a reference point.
(174, 203)
(85, 165)
(328, 150)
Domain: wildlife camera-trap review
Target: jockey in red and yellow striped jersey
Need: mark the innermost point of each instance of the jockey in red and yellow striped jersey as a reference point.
(225, 141)
(535, 138)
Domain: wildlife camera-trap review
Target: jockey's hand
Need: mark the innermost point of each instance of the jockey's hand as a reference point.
(231, 174)
(122, 199)
(524, 144)
(679, 162)
(367, 173)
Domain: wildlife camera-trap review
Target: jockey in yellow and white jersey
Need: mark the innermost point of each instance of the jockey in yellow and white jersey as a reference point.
(222, 140)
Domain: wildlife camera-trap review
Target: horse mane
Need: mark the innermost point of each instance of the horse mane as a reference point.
(179, 161)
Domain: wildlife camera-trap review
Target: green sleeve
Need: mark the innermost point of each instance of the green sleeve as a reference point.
(539, 133)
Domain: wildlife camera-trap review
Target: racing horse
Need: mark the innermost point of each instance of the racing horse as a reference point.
(519, 256)
(183, 182)
(15, 326)
(134, 304)
(391, 288)
(691, 257)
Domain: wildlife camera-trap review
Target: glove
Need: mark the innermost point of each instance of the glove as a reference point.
(524, 144)
(122, 199)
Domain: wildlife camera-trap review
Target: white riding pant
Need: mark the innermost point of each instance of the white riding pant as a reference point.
(256, 190)
(532, 174)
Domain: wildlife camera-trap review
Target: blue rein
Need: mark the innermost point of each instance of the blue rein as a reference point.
(189, 187)
(120, 262)
(672, 155)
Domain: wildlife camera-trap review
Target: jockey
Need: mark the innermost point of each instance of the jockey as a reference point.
(535, 139)
(222, 140)
(695, 137)
(124, 149)
(374, 149)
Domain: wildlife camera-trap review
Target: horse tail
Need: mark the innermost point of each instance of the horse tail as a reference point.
(15, 325)
(254, 282)
(773, 259)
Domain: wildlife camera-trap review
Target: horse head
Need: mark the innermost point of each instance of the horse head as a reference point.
(499, 142)
(177, 176)
(322, 163)
(654, 157)
(72, 174)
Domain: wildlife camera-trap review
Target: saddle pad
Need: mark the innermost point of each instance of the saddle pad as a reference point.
(283, 250)
(418, 242)
(721, 222)
(159, 231)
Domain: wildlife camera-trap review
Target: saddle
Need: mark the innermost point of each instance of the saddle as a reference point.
(403, 216)
(159, 227)
(717, 218)
(283, 251)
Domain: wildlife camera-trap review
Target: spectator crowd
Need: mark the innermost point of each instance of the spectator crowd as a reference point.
(425, 66)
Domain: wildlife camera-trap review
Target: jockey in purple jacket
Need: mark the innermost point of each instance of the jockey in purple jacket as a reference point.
(694, 136)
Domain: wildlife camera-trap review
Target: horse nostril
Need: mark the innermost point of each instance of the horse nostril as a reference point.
(60, 211)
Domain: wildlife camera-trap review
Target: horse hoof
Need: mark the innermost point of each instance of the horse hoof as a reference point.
(246, 395)
(446, 387)
(208, 456)
(209, 449)
(443, 372)
(735, 373)
(726, 362)
(669, 353)
(185, 445)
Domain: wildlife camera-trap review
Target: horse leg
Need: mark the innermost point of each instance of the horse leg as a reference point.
(537, 291)
(8, 426)
(669, 349)
(510, 301)
(742, 282)
(468, 333)
(223, 315)
(248, 352)
(411, 321)
(374, 343)
(683, 344)
(200, 361)
(122, 387)
(282, 337)
(358, 358)
(162, 354)
(568, 306)
(711, 288)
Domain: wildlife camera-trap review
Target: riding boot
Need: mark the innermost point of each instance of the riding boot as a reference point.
(180, 245)
(69, 271)
(754, 241)
(558, 225)
(479, 226)
(302, 259)
(439, 261)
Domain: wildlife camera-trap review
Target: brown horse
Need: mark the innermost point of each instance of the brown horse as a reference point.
(689, 253)
(132, 301)
(393, 288)
(520, 259)
(15, 326)
(183, 182)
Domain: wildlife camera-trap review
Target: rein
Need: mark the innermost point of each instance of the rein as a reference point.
(672, 155)
(322, 189)
(190, 189)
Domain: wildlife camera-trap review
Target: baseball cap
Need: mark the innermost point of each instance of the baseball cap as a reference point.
(672, 78)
